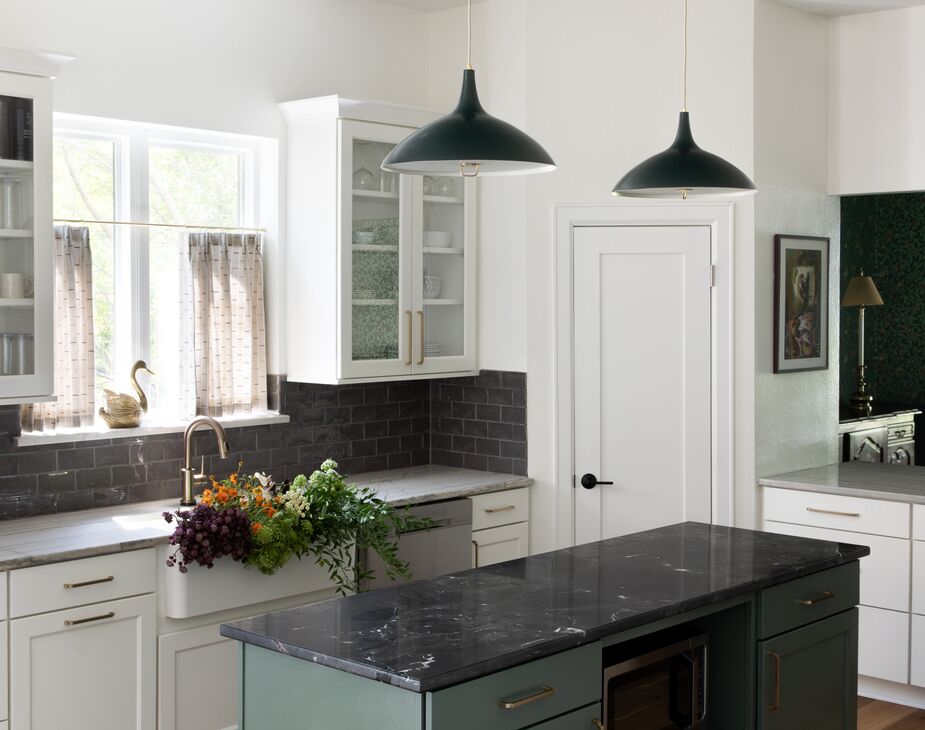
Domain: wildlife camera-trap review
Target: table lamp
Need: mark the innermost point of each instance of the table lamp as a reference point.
(861, 293)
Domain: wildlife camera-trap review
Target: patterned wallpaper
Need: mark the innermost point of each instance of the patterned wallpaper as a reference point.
(885, 236)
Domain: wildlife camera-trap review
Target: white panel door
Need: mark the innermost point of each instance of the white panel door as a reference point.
(642, 368)
(883, 644)
(499, 544)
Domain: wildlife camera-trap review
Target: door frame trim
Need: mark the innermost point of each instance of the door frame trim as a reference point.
(718, 216)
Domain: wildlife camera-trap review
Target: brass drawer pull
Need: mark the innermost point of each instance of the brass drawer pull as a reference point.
(826, 595)
(506, 508)
(597, 724)
(833, 512)
(541, 695)
(421, 356)
(96, 581)
(777, 672)
(476, 546)
(410, 338)
(78, 621)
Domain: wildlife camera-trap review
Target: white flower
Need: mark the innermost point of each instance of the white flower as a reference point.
(262, 478)
(296, 502)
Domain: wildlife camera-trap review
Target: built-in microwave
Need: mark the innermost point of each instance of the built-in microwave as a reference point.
(656, 683)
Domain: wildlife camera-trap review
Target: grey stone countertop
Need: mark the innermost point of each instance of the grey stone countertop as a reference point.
(892, 482)
(430, 634)
(39, 540)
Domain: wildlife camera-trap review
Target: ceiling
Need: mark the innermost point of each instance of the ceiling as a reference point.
(821, 7)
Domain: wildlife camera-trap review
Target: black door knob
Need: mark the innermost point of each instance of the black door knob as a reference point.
(589, 481)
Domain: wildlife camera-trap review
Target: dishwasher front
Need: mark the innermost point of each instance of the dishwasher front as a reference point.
(444, 548)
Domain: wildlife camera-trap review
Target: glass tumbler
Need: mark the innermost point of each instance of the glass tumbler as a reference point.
(25, 362)
(10, 202)
(8, 360)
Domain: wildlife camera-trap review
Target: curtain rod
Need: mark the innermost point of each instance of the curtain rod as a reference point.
(160, 225)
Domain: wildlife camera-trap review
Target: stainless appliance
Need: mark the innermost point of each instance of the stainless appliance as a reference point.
(445, 548)
(656, 683)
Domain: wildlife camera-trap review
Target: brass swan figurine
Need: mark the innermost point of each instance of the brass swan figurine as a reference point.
(122, 410)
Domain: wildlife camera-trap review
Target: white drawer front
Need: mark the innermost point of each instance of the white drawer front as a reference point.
(500, 508)
(918, 521)
(835, 512)
(3, 594)
(918, 651)
(884, 573)
(79, 582)
(918, 577)
(498, 544)
(883, 644)
(4, 674)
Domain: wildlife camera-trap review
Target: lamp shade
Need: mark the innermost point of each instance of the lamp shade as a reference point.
(686, 168)
(861, 292)
(468, 141)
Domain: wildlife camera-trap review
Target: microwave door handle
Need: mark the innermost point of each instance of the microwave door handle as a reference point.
(698, 660)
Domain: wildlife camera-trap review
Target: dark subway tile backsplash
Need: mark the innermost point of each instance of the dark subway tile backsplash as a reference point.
(473, 422)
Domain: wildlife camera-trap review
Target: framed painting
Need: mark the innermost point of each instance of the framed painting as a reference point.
(801, 303)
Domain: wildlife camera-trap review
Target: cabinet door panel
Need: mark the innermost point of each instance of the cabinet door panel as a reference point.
(583, 719)
(497, 544)
(883, 651)
(918, 651)
(807, 678)
(100, 672)
(918, 577)
(185, 658)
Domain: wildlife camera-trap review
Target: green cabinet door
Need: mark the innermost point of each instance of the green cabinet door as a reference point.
(807, 678)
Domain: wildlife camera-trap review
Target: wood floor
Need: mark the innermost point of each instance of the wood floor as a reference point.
(876, 715)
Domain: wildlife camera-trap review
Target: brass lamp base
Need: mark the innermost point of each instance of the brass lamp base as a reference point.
(861, 400)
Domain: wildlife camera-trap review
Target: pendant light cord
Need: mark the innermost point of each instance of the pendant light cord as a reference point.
(469, 35)
(684, 84)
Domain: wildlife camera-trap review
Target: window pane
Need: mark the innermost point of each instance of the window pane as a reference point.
(84, 188)
(191, 186)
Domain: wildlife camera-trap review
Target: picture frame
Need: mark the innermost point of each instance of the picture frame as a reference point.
(801, 303)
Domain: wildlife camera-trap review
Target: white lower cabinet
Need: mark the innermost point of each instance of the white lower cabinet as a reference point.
(918, 651)
(88, 668)
(497, 544)
(4, 674)
(883, 644)
(185, 660)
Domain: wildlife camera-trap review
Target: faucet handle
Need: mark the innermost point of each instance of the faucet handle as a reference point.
(202, 470)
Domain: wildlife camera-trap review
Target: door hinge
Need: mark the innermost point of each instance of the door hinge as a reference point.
(712, 275)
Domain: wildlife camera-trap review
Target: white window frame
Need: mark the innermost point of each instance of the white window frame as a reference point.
(132, 142)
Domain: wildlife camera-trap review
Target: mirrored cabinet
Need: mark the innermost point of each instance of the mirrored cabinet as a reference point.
(26, 232)
(381, 267)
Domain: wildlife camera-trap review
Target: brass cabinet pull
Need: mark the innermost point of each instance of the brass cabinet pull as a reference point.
(410, 338)
(476, 546)
(541, 695)
(78, 621)
(421, 358)
(96, 581)
(777, 673)
(833, 512)
(826, 595)
(506, 508)
(597, 724)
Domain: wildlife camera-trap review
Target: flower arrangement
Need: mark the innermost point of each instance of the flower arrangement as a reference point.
(261, 523)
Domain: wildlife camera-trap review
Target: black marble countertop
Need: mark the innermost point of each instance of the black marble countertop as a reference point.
(431, 634)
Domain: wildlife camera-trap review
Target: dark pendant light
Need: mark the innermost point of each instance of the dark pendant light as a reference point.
(468, 141)
(684, 169)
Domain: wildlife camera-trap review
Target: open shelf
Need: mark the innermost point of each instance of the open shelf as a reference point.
(375, 195)
(440, 250)
(16, 233)
(380, 248)
(443, 302)
(16, 165)
(17, 303)
(445, 199)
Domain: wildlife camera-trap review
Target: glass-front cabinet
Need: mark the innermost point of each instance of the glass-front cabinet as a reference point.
(382, 277)
(26, 239)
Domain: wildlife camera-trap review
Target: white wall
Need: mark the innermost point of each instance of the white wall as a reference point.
(796, 413)
(601, 89)
(224, 65)
(877, 104)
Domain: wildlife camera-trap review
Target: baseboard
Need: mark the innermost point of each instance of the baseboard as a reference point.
(900, 694)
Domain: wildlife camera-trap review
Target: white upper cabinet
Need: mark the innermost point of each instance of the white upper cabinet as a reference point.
(381, 267)
(26, 238)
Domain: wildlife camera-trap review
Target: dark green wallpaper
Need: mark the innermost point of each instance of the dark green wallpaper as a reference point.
(885, 236)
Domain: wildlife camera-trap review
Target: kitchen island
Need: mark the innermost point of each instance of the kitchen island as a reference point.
(525, 642)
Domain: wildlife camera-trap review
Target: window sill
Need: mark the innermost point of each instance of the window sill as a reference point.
(100, 433)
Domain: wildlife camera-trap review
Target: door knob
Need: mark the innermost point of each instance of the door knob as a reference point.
(589, 481)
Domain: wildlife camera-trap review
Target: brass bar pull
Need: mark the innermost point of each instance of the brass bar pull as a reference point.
(421, 358)
(506, 508)
(78, 621)
(777, 673)
(96, 581)
(597, 724)
(833, 512)
(541, 695)
(476, 546)
(826, 595)
(410, 338)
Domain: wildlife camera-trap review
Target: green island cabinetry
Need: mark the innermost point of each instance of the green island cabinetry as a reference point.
(781, 658)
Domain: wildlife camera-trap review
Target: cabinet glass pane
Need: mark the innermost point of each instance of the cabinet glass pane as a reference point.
(375, 240)
(444, 283)
(17, 261)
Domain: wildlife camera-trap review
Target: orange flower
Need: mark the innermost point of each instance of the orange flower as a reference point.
(269, 511)
(233, 478)
(256, 527)
(222, 496)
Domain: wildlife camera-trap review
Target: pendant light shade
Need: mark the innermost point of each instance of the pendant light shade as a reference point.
(469, 141)
(684, 169)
